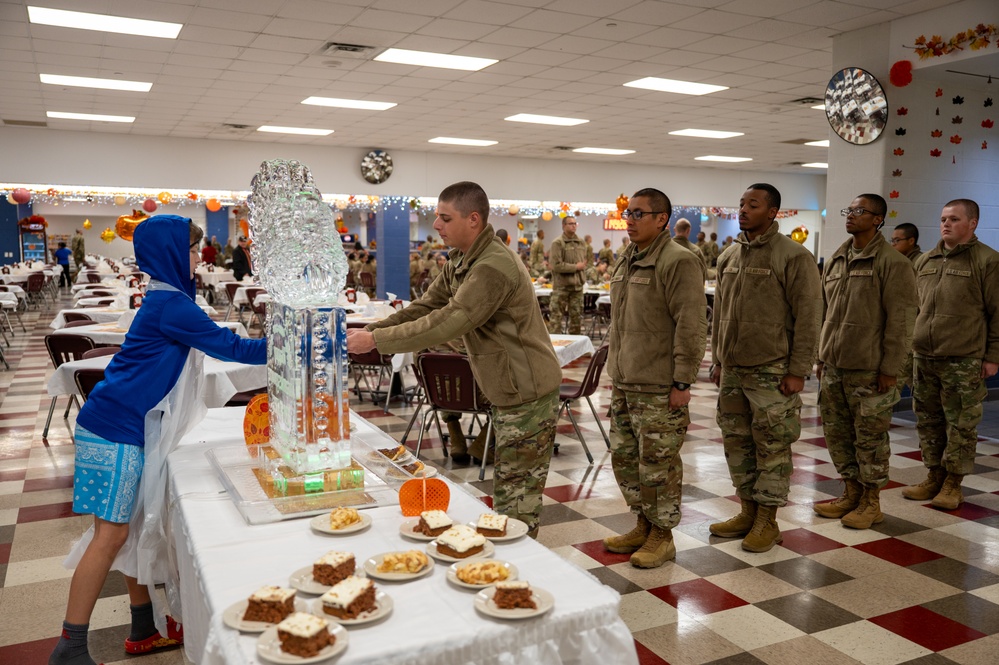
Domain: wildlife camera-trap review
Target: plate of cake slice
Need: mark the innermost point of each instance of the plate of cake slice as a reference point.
(499, 528)
(429, 525)
(324, 572)
(266, 607)
(513, 600)
(340, 521)
(353, 601)
(302, 638)
(458, 543)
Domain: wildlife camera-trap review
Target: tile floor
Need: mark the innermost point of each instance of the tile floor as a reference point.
(921, 588)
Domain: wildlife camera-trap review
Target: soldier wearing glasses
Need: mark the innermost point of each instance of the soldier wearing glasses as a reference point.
(766, 328)
(869, 298)
(657, 336)
(905, 239)
(956, 347)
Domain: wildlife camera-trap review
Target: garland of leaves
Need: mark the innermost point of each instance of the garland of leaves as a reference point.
(974, 38)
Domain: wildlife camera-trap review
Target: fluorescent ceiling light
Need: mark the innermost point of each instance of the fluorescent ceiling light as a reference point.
(90, 116)
(816, 165)
(453, 141)
(672, 85)
(87, 82)
(819, 107)
(103, 23)
(819, 144)
(604, 151)
(308, 131)
(429, 59)
(722, 158)
(706, 133)
(545, 119)
(349, 103)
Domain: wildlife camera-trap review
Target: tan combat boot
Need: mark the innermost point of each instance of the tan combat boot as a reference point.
(867, 512)
(630, 541)
(739, 525)
(950, 496)
(927, 489)
(852, 490)
(765, 533)
(657, 550)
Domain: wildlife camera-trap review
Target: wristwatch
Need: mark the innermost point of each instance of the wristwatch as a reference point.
(681, 386)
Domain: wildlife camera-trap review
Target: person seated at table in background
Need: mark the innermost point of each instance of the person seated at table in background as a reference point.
(62, 258)
(242, 265)
(110, 430)
(224, 258)
(209, 253)
(415, 270)
(438, 267)
(598, 274)
(485, 297)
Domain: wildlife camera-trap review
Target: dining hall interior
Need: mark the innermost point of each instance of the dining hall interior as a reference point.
(558, 109)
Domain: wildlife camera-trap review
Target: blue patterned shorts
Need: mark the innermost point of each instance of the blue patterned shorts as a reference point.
(106, 479)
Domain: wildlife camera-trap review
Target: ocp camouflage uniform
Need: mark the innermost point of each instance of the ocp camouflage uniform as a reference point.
(907, 371)
(657, 337)
(956, 330)
(869, 298)
(767, 311)
(758, 425)
(524, 438)
(567, 283)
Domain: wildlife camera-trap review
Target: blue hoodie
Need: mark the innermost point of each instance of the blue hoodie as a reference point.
(167, 325)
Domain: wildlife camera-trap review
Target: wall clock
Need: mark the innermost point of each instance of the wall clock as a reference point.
(376, 166)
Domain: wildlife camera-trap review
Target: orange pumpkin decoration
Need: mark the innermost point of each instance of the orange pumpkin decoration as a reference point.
(622, 202)
(125, 226)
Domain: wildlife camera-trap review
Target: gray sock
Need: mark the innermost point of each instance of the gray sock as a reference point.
(72, 647)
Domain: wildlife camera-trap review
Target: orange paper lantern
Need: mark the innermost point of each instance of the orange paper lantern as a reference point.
(213, 204)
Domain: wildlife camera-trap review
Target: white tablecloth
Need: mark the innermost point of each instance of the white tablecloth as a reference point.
(111, 333)
(571, 347)
(222, 560)
(215, 277)
(222, 379)
(17, 291)
(106, 314)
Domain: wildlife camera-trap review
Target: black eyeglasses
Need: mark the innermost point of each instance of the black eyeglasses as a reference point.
(638, 214)
(856, 212)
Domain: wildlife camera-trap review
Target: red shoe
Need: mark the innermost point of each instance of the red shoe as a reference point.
(175, 637)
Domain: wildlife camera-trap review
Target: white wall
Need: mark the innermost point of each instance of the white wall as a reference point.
(84, 158)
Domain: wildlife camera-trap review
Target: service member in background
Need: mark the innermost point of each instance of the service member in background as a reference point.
(681, 234)
(484, 296)
(606, 253)
(767, 313)
(956, 347)
(567, 258)
(905, 239)
(869, 303)
(657, 336)
(589, 250)
(537, 261)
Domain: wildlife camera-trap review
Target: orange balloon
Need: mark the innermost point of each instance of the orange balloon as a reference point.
(165, 197)
(125, 226)
(213, 204)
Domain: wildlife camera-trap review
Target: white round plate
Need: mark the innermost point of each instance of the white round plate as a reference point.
(233, 616)
(484, 603)
(371, 568)
(514, 529)
(321, 523)
(383, 607)
(452, 574)
(487, 551)
(401, 474)
(269, 647)
(408, 527)
(303, 580)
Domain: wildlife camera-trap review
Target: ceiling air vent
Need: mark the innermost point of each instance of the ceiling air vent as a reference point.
(562, 147)
(232, 127)
(342, 50)
(807, 101)
(25, 123)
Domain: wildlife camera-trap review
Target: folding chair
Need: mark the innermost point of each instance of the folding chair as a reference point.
(568, 393)
(64, 348)
(86, 380)
(372, 361)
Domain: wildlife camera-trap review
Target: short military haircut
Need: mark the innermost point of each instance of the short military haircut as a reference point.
(196, 233)
(658, 200)
(682, 224)
(773, 195)
(970, 207)
(908, 231)
(567, 219)
(502, 234)
(467, 197)
(878, 205)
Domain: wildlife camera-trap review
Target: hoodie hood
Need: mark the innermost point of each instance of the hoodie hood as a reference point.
(162, 249)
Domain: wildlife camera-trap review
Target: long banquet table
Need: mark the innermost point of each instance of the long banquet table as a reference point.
(222, 560)
(111, 333)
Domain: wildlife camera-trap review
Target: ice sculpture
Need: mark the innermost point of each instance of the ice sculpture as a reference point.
(299, 259)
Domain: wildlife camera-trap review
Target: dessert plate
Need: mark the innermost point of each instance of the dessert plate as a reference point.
(487, 551)
(383, 607)
(484, 604)
(408, 530)
(233, 616)
(514, 529)
(371, 568)
(321, 523)
(269, 647)
(452, 574)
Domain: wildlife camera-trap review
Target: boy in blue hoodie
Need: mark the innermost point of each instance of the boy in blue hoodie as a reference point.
(110, 427)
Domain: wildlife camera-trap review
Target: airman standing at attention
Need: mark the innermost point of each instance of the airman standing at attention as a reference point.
(768, 308)
(567, 259)
(905, 239)
(589, 250)
(681, 232)
(606, 253)
(537, 262)
(956, 347)
(869, 297)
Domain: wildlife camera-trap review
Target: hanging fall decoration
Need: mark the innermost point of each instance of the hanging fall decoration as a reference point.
(622, 202)
(900, 74)
(125, 226)
(87, 224)
(974, 38)
(799, 235)
(107, 235)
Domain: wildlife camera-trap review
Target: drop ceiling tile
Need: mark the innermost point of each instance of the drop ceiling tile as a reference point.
(653, 12)
(544, 58)
(62, 34)
(214, 18)
(272, 57)
(265, 7)
(825, 12)
(424, 7)
(318, 28)
(465, 30)
(487, 12)
(817, 39)
(764, 8)
(727, 63)
(570, 44)
(679, 58)
(494, 51)
(198, 33)
(287, 44)
(715, 22)
(433, 44)
(863, 21)
(518, 37)
(596, 64)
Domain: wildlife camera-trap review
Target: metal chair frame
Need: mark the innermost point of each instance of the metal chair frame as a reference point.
(570, 393)
(64, 348)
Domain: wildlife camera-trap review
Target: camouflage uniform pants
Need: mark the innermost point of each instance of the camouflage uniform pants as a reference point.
(947, 398)
(646, 436)
(758, 425)
(855, 420)
(565, 302)
(524, 438)
(78, 260)
(905, 374)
